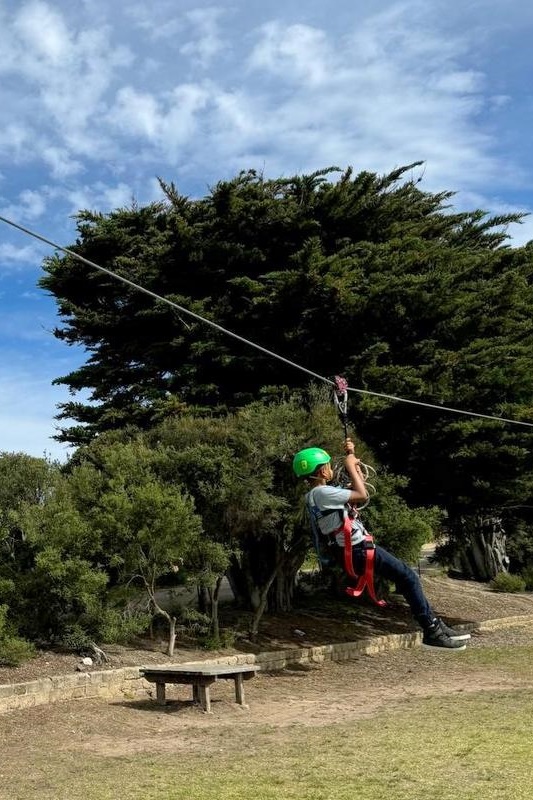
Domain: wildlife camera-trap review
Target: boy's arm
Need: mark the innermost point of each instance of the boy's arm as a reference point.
(358, 492)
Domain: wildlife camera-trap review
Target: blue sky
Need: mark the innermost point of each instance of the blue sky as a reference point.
(97, 99)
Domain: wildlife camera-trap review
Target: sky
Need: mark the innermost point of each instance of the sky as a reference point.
(99, 99)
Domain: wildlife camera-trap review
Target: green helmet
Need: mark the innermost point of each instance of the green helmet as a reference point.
(306, 461)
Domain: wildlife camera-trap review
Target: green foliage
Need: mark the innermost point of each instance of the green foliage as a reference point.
(139, 524)
(13, 649)
(107, 518)
(194, 622)
(23, 480)
(45, 575)
(75, 638)
(121, 626)
(505, 582)
(527, 576)
(281, 260)
(224, 641)
(362, 275)
(395, 525)
(237, 468)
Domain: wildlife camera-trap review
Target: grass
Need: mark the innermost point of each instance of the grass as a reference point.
(476, 747)
(466, 746)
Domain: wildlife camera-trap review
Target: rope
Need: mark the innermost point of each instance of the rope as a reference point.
(264, 350)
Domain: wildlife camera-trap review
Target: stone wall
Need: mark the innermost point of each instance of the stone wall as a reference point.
(127, 682)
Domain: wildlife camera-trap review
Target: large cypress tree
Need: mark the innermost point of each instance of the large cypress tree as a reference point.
(366, 275)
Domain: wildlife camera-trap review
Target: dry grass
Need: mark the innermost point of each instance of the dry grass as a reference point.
(471, 742)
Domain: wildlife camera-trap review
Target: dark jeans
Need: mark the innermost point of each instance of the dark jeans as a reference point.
(407, 581)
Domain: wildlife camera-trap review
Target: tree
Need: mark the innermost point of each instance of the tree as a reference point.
(193, 452)
(235, 467)
(366, 276)
(238, 469)
(141, 527)
(25, 481)
(58, 594)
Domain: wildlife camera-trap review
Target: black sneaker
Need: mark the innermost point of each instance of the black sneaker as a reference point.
(435, 637)
(455, 636)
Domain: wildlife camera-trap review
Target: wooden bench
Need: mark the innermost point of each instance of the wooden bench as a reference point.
(200, 677)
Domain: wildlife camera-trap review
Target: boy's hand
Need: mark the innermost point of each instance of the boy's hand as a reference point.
(349, 447)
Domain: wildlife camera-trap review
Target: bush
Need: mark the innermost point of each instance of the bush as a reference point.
(13, 649)
(527, 575)
(75, 639)
(505, 582)
(120, 627)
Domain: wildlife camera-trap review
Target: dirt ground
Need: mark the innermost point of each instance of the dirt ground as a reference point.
(314, 695)
(310, 695)
(314, 622)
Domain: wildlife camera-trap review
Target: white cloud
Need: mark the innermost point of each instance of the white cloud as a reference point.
(11, 254)
(100, 196)
(460, 82)
(394, 86)
(158, 21)
(33, 203)
(42, 30)
(295, 54)
(15, 140)
(65, 74)
(29, 205)
(96, 98)
(27, 408)
(60, 162)
(208, 42)
(167, 121)
(137, 113)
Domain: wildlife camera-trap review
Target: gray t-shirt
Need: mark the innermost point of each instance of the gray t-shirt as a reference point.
(328, 498)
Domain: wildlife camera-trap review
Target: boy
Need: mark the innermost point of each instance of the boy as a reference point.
(333, 504)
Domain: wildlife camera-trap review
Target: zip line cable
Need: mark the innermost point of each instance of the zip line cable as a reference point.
(214, 325)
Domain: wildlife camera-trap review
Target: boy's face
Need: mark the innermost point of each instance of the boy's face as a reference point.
(327, 471)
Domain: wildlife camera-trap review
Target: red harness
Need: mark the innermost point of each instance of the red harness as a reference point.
(366, 580)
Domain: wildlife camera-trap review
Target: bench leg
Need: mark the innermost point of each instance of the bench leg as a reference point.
(239, 689)
(204, 697)
(160, 693)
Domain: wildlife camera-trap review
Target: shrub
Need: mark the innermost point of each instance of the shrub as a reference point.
(505, 582)
(75, 639)
(527, 575)
(120, 627)
(13, 649)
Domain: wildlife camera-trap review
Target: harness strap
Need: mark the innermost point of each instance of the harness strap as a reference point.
(314, 514)
(366, 580)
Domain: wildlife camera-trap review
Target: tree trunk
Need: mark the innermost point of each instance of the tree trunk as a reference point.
(171, 635)
(261, 607)
(243, 582)
(203, 599)
(150, 589)
(480, 547)
(281, 594)
(214, 597)
(253, 571)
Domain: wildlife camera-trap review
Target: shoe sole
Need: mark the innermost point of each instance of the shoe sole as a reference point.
(461, 637)
(443, 649)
